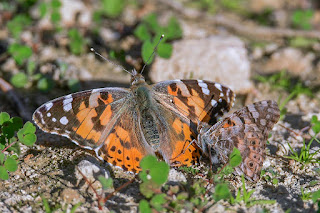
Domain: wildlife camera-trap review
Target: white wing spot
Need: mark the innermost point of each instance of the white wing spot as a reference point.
(54, 120)
(64, 120)
(67, 103)
(48, 106)
(218, 86)
(214, 103)
(49, 114)
(204, 87)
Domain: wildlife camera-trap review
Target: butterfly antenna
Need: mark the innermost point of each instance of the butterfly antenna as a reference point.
(154, 50)
(108, 60)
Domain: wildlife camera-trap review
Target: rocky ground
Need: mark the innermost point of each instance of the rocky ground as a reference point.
(206, 51)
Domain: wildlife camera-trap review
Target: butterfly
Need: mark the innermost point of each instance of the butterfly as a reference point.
(246, 129)
(123, 125)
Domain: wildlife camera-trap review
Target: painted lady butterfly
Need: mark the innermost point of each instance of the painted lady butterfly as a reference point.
(246, 129)
(123, 125)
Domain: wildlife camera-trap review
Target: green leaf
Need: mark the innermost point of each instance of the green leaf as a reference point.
(315, 196)
(29, 139)
(113, 8)
(26, 134)
(157, 201)
(19, 80)
(31, 67)
(146, 51)
(46, 205)
(3, 173)
(301, 42)
(106, 183)
(55, 4)
(11, 164)
(20, 53)
(15, 147)
(152, 23)
(2, 156)
(144, 206)
(314, 119)
(174, 30)
(160, 172)
(275, 181)
(17, 24)
(165, 50)
(74, 208)
(142, 32)
(74, 85)
(45, 84)
(147, 188)
(235, 158)
(315, 124)
(221, 192)
(302, 19)
(29, 127)
(16, 123)
(76, 42)
(43, 9)
(55, 17)
(182, 196)
(4, 117)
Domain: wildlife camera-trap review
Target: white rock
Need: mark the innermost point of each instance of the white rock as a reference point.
(91, 170)
(175, 176)
(291, 59)
(219, 58)
(70, 9)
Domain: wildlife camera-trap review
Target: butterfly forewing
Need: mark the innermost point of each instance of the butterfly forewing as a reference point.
(197, 100)
(82, 116)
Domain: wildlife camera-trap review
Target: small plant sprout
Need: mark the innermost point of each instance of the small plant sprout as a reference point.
(245, 196)
(13, 132)
(150, 30)
(77, 42)
(283, 82)
(305, 156)
(305, 195)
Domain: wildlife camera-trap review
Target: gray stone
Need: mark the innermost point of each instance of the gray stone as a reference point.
(175, 176)
(91, 170)
(292, 60)
(218, 58)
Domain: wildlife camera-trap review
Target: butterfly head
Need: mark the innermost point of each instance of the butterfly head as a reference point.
(137, 78)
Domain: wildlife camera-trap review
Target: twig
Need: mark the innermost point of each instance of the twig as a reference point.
(11, 144)
(102, 200)
(90, 184)
(14, 99)
(254, 31)
(119, 189)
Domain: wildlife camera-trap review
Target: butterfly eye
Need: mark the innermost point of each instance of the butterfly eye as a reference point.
(253, 142)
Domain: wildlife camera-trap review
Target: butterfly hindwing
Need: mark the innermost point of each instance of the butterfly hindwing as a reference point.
(246, 129)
